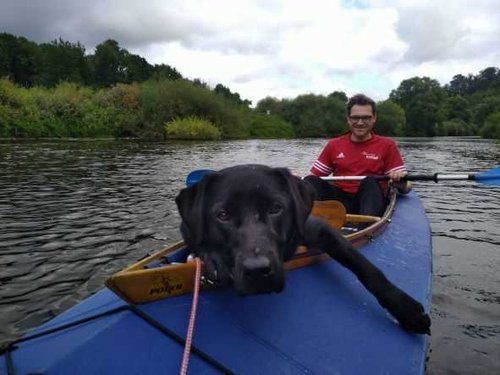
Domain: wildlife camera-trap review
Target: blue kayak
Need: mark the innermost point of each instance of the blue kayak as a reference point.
(324, 322)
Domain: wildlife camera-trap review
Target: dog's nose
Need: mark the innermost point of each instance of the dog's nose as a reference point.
(257, 267)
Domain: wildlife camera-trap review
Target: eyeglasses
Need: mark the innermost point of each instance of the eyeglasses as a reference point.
(364, 119)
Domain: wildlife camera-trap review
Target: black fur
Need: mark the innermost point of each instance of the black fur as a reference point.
(244, 222)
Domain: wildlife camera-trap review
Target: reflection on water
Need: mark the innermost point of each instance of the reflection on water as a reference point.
(72, 213)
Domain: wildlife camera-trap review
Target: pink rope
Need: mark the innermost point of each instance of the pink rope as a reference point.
(192, 318)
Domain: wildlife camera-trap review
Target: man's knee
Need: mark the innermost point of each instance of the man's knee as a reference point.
(371, 197)
(321, 188)
(313, 180)
(369, 181)
(316, 185)
(370, 185)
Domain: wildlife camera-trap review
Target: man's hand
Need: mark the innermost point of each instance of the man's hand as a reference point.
(395, 177)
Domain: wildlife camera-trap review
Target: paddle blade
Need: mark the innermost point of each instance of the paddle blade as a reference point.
(331, 211)
(491, 177)
(195, 176)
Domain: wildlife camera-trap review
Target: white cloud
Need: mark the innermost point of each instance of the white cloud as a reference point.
(281, 48)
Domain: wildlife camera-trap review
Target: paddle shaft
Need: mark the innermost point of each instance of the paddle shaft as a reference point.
(490, 177)
(436, 177)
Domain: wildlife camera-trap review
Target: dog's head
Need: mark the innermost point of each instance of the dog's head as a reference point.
(244, 222)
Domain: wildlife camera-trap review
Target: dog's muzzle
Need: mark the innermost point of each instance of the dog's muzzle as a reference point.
(258, 273)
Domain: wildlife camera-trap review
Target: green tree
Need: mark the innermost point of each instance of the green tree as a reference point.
(165, 72)
(310, 115)
(63, 61)
(340, 95)
(453, 127)
(315, 115)
(136, 68)
(390, 119)
(460, 85)
(8, 43)
(269, 126)
(486, 79)
(422, 100)
(491, 127)
(269, 106)
(220, 89)
(108, 64)
(457, 107)
(302, 112)
(483, 105)
(20, 60)
(198, 82)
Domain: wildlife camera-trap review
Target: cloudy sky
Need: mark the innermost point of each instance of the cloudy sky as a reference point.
(280, 48)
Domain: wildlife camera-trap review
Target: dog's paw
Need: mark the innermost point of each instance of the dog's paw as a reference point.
(410, 314)
(213, 274)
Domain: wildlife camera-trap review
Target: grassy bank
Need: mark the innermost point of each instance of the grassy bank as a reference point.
(122, 111)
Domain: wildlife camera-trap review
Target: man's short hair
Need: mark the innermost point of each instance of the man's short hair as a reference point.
(361, 99)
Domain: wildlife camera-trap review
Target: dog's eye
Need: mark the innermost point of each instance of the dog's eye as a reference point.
(275, 208)
(223, 215)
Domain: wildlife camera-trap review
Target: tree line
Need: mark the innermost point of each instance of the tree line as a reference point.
(29, 64)
(419, 107)
(57, 90)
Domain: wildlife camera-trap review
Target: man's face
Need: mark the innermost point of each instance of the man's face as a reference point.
(361, 121)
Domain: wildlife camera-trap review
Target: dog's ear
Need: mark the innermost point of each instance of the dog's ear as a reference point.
(190, 202)
(302, 197)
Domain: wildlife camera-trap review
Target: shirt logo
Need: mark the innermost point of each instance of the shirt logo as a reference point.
(341, 156)
(370, 156)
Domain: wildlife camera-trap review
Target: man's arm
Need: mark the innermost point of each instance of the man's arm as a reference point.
(322, 166)
(397, 170)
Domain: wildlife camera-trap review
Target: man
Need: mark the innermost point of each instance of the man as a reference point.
(359, 152)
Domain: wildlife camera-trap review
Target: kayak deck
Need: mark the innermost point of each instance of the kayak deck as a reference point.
(324, 322)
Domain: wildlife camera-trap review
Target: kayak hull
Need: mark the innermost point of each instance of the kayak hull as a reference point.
(324, 322)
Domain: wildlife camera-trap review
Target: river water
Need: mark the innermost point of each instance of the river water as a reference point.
(74, 212)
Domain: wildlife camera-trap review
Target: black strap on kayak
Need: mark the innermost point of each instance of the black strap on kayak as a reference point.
(149, 319)
(10, 347)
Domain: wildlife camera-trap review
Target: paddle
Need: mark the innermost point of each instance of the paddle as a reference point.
(196, 175)
(491, 177)
(332, 212)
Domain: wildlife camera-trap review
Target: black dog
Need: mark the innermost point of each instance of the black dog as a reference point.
(245, 221)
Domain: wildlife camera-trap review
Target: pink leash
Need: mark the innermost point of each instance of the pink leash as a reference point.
(192, 318)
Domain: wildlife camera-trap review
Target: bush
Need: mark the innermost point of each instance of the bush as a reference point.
(10, 107)
(136, 110)
(165, 101)
(19, 116)
(122, 110)
(70, 110)
(192, 128)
